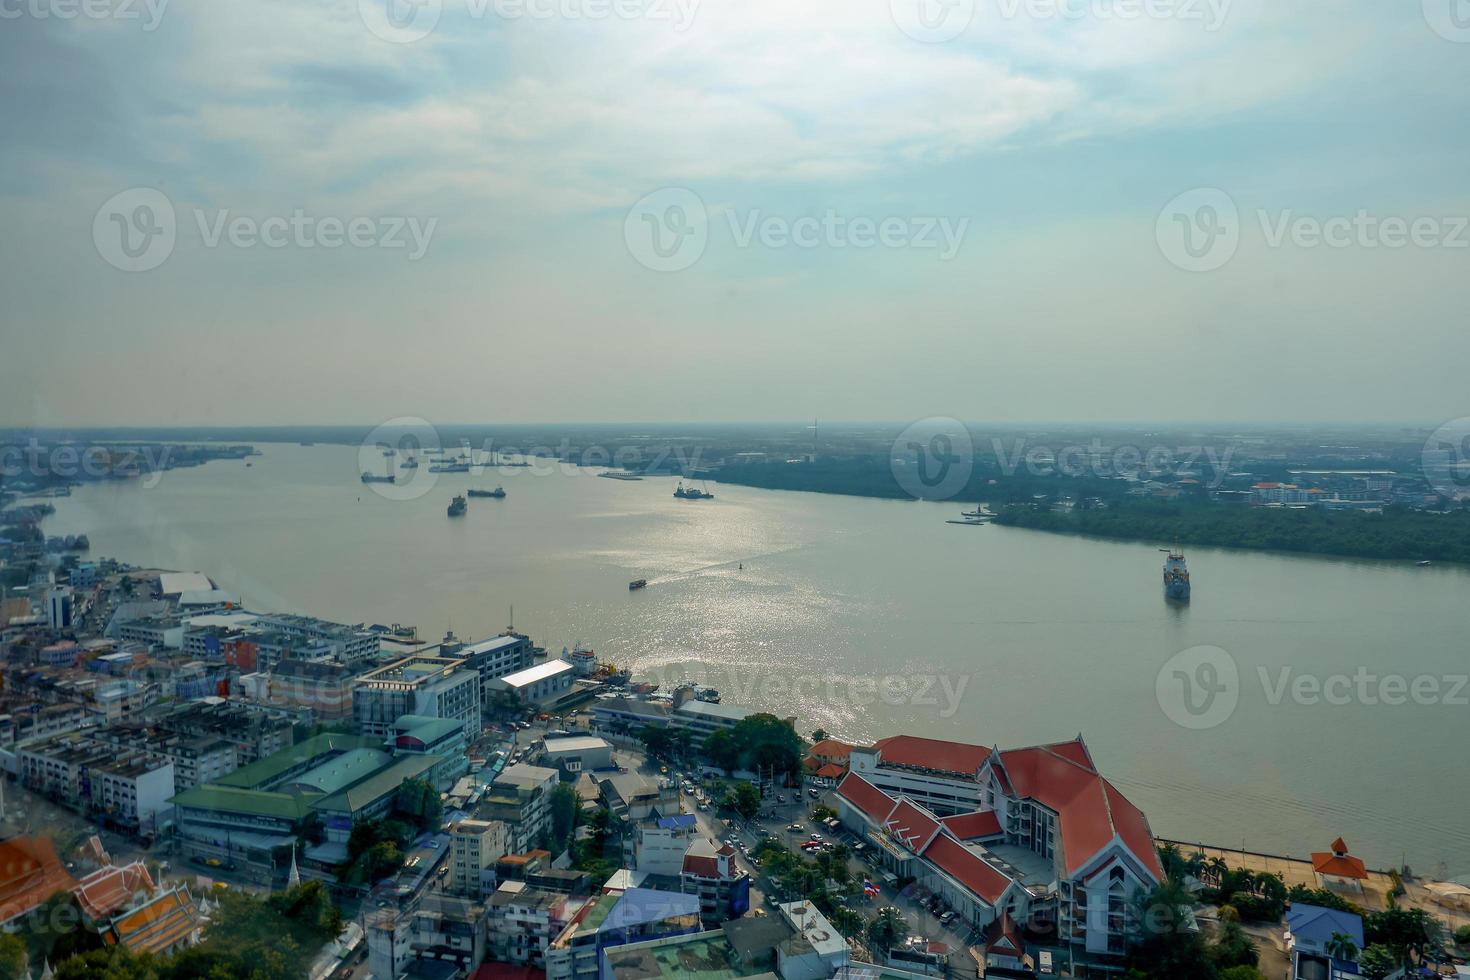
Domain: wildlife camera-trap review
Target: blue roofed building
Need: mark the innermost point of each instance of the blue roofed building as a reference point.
(613, 920)
(1324, 943)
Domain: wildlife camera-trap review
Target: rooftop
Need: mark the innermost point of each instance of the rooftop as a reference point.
(540, 672)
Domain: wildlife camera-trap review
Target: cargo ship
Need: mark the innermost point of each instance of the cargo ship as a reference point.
(692, 493)
(1176, 577)
(457, 506)
(498, 493)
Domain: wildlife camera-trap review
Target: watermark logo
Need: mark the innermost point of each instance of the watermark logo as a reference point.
(1446, 458)
(136, 230)
(1199, 231)
(150, 12)
(668, 230)
(1210, 14)
(400, 21)
(1450, 19)
(933, 458)
(932, 21)
(1199, 688)
(382, 456)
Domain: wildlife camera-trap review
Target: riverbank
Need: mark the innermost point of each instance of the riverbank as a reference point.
(1394, 535)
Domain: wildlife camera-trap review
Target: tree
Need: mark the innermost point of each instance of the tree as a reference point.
(12, 956)
(1241, 973)
(1462, 935)
(418, 800)
(846, 921)
(887, 929)
(564, 804)
(1168, 945)
(1378, 962)
(743, 798)
(1341, 947)
(1234, 947)
(658, 740)
(820, 735)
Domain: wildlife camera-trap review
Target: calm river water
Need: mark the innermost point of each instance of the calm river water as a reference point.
(870, 617)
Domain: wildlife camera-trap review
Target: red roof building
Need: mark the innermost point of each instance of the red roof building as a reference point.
(106, 890)
(1035, 830)
(30, 873)
(1338, 866)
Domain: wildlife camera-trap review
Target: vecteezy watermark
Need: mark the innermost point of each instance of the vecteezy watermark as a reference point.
(1200, 688)
(404, 458)
(933, 458)
(1107, 461)
(1450, 19)
(1200, 230)
(932, 21)
(1446, 459)
(406, 21)
(941, 693)
(137, 230)
(668, 230)
(69, 461)
(148, 12)
(1209, 14)
(393, 460)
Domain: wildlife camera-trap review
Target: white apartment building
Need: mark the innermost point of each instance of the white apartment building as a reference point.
(475, 847)
(433, 687)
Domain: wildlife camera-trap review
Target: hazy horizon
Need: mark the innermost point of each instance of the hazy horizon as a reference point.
(719, 210)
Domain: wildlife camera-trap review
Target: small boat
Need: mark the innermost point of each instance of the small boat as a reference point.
(498, 493)
(1424, 564)
(457, 506)
(637, 583)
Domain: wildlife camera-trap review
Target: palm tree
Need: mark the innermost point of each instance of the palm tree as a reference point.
(1341, 947)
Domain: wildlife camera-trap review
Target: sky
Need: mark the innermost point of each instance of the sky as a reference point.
(319, 211)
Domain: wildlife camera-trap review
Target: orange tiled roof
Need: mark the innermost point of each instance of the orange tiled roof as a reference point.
(830, 771)
(1090, 809)
(1339, 865)
(30, 873)
(157, 925)
(972, 826)
(831, 748)
(931, 753)
(106, 890)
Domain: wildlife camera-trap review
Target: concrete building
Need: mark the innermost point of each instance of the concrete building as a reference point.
(817, 950)
(323, 686)
(196, 758)
(522, 922)
(659, 845)
(538, 686)
(709, 873)
(59, 603)
(442, 737)
(613, 920)
(578, 754)
(434, 687)
(475, 845)
(520, 797)
(124, 788)
(495, 658)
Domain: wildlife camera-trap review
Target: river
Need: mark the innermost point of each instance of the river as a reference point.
(874, 617)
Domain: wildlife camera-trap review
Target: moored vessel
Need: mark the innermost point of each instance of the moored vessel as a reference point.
(1176, 577)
